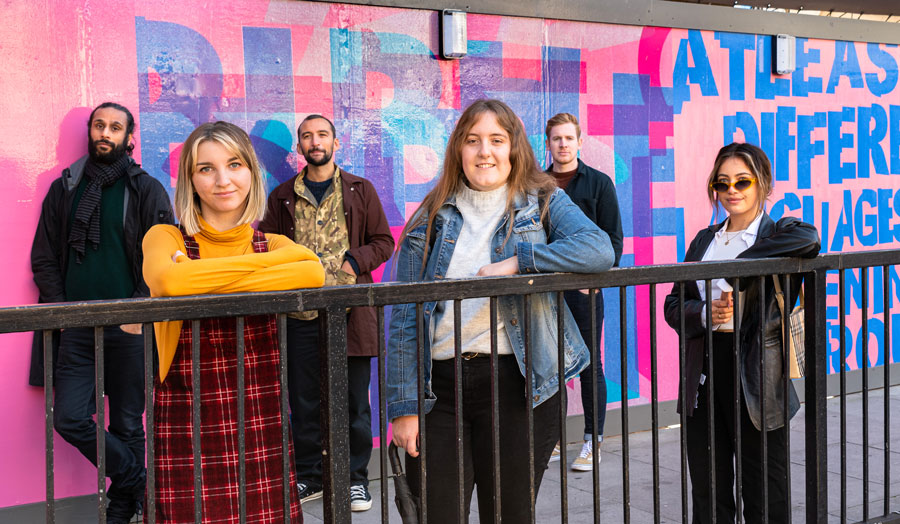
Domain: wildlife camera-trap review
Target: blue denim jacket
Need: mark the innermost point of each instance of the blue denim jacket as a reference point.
(576, 245)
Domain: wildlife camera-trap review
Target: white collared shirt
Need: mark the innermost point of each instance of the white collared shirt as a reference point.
(737, 243)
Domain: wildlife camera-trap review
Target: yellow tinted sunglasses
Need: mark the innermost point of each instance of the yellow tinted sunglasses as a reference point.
(741, 185)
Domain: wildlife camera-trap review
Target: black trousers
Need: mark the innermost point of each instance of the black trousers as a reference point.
(580, 306)
(697, 430)
(74, 406)
(304, 393)
(440, 442)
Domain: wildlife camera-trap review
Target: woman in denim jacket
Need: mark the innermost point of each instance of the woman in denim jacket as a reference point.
(510, 218)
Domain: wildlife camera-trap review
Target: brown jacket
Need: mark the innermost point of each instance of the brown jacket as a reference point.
(371, 244)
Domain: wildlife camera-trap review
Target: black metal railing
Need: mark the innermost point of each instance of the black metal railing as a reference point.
(332, 304)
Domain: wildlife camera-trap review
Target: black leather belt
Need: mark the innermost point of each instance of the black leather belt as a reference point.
(469, 355)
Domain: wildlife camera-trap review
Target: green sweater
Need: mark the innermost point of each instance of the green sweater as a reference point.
(104, 273)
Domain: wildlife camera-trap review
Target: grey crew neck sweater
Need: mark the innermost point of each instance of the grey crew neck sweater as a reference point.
(481, 212)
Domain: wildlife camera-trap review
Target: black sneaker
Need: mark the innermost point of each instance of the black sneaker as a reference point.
(119, 510)
(308, 491)
(360, 500)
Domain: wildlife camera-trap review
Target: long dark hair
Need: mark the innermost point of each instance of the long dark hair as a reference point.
(525, 177)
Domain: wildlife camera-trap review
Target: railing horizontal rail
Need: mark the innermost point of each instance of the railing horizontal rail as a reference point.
(332, 303)
(113, 312)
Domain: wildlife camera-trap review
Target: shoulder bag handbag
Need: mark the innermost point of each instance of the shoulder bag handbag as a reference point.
(797, 326)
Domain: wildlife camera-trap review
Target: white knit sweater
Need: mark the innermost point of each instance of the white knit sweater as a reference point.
(481, 212)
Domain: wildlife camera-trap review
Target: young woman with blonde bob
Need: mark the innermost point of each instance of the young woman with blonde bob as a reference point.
(740, 181)
(220, 192)
(493, 212)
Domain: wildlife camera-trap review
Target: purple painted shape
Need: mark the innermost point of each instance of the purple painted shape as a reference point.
(564, 76)
(642, 215)
(479, 76)
(269, 93)
(416, 78)
(631, 120)
(379, 169)
(660, 111)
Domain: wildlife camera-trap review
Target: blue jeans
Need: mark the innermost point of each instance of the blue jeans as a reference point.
(74, 406)
(580, 305)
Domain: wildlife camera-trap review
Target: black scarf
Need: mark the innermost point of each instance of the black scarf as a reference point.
(86, 225)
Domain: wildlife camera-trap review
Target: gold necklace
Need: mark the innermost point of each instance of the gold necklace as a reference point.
(734, 235)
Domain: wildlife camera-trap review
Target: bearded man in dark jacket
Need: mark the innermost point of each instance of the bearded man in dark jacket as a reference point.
(88, 247)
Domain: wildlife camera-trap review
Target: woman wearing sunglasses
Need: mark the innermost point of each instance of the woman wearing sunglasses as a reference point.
(740, 182)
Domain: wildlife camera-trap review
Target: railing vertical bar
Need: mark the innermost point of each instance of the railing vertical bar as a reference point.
(864, 335)
(786, 375)
(595, 456)
(816, 409)
(495, 410)
(420, 388)
(241, 422)
(682, 369)
(529, 404)
(763, 415)
(842, 320)
(382, 417)
(100, 399)
(738, 409)
(654, 406)
(623, 368)
(287, 486)
(710, 404)
(195, 421)
(458, 410)
(887, 388)
(149, 389)
(50, 506)
(334, 417)
(561, 369)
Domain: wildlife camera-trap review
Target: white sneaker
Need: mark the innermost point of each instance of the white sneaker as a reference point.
(585, 461)
(554, 457)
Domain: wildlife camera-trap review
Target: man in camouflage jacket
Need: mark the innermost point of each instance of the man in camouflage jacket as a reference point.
(339, 216)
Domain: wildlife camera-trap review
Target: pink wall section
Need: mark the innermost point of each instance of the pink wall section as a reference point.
(655, 105)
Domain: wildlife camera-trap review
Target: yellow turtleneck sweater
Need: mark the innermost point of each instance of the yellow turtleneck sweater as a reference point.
(227, 264)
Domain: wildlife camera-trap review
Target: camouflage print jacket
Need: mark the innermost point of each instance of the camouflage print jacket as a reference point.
(370, 244)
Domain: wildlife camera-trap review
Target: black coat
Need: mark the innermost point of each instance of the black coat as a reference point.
(787, 238)
(147, 205)
(594, 192)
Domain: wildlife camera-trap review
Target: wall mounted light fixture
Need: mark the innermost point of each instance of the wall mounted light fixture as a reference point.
(454, 39)
(784, 54)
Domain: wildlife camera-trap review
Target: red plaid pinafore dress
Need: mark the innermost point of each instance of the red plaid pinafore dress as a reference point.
(218, 418)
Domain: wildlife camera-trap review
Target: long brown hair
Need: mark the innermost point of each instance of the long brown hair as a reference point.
(758, 164)
(525, 177)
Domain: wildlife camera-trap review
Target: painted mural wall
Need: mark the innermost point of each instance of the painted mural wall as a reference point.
(655, 105)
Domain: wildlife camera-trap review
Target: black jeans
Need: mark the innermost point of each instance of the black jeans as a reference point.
(697, 428)
(74, 406)
(440, 442)
(580, 306)
(303, 392)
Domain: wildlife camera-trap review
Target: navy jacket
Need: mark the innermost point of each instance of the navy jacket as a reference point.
(594, 192)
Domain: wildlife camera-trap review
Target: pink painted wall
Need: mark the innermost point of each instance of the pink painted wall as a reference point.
(655, 105)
